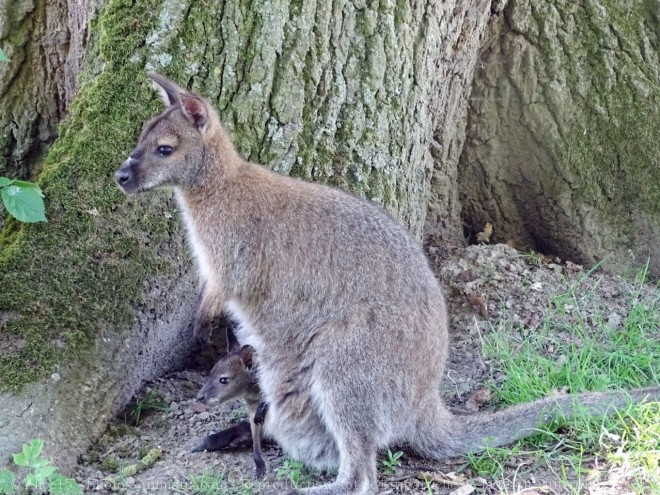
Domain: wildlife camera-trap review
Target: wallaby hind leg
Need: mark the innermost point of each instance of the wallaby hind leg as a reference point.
(350, 422)
(357, 472)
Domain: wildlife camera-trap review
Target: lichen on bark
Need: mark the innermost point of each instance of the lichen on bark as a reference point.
(561, 154)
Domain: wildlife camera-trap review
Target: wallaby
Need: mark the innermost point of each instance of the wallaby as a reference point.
(232, 378)
(346, 316)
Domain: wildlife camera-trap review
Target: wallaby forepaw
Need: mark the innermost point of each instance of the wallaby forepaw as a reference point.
(260, 415)
(199, 448)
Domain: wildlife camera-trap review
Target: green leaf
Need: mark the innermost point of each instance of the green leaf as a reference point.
(29, 185)
(33, 449)
(31, 480)
(7, 480)
(3, 57)
(61, 485)
(4, 181)
(30, 455)
(21, 460)
(40, 463)
(45, 473)
(24, 204)
(40, 477)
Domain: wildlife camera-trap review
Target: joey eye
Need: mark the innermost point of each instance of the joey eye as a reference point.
(164, 150)
(224, 380)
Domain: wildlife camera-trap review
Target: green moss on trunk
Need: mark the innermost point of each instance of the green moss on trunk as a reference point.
(80, 273)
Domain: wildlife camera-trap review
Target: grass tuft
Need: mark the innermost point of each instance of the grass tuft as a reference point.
(577, 349)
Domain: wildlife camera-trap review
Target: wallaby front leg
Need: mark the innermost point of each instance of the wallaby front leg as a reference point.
(256, 449)
(260, 415)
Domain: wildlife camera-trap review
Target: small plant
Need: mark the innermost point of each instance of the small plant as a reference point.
(491, 462)
(153, 401)
(208, 484)
(239, 413)
(427, 485)
(110, 464)
(389, 465)
(40, 476)
(534, 258)
(216, 484)
(3, 57)
(23, 200)
(291, 470)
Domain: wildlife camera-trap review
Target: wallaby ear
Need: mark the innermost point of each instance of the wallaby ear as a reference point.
(195, 110)
(247, 356)
(169, 92)
(232, 342)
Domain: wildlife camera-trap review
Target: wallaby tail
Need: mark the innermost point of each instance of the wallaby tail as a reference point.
(458, 435)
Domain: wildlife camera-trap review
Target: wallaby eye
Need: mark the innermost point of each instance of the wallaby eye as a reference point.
(224, 380)
(165, 150)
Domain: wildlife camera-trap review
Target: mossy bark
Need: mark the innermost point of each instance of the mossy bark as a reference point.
(562, 152)
(344, 92)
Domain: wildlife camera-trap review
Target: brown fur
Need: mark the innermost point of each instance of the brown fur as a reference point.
(347, 318)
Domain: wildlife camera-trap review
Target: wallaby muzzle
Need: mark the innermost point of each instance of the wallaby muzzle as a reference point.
(126, 176)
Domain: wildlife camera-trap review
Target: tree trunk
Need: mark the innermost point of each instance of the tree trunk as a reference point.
(562, 149)
(345, 92)
(44, 41)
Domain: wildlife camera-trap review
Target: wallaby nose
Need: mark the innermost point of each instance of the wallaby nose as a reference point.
(201, 397)
(123, 175)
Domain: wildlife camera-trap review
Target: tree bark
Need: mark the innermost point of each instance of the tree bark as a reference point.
(44, 41)
(345, 92)
(562, 149)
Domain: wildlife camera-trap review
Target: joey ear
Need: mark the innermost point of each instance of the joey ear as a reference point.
(169, 92)
(233, 345)
(195, 110)
(247, 355)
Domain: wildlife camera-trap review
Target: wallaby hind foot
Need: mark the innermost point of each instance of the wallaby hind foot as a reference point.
(238, 436)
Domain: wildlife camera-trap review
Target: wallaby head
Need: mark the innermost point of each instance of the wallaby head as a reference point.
(173, 146)
(231, 377)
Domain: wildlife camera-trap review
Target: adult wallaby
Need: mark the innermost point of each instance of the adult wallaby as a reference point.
(232, 378)
(347, 319)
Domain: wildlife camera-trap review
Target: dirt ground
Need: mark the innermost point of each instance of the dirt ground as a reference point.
(484, 285)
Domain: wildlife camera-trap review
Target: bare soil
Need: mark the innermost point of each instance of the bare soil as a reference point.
(484, 285)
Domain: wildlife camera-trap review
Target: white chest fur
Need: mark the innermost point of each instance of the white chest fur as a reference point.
(243, 330)
(198, 251)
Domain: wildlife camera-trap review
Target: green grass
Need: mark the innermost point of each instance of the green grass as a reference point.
(218, 484)
(299, 475)
(389, 465)
(153, 401)
(575, 349)
(292, 470)
(239, 413)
